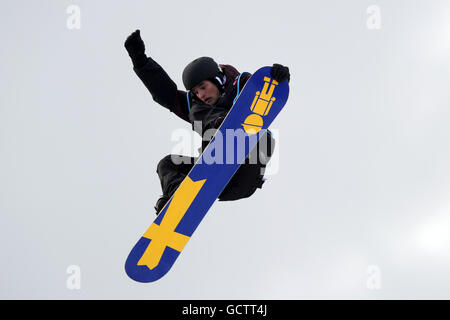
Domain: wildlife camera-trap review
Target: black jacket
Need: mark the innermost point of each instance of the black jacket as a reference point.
(186, 105)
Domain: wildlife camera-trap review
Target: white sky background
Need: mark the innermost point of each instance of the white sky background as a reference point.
(363, 181)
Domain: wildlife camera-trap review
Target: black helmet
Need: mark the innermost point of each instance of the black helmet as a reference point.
(201, 69)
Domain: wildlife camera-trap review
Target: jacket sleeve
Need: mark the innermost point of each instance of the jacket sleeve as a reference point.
(163, 90)
(244, 79)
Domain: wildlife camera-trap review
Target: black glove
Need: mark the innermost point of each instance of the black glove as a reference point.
(280, 73)
(218, 121)
(214, 123)
(136, 49)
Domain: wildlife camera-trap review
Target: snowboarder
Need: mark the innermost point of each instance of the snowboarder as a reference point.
(211, 90)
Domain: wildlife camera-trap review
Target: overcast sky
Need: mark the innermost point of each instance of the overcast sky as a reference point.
(357, 204)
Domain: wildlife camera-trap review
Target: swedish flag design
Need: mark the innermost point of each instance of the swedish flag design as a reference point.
(258, 104)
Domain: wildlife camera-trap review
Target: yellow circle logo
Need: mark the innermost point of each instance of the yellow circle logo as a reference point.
(253, 123)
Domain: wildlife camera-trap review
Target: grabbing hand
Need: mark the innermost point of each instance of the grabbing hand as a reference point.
(218, 121)
(280, 73)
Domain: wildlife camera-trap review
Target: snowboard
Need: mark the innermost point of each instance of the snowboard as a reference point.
(259, 102)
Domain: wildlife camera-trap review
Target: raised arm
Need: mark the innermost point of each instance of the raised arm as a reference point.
(163, 90)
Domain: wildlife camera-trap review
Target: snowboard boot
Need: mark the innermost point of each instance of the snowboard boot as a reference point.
(161, 203)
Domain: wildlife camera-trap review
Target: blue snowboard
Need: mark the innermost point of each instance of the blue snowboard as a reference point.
(258, 104)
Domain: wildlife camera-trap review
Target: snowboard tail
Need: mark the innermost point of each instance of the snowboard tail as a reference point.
(259, 102)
